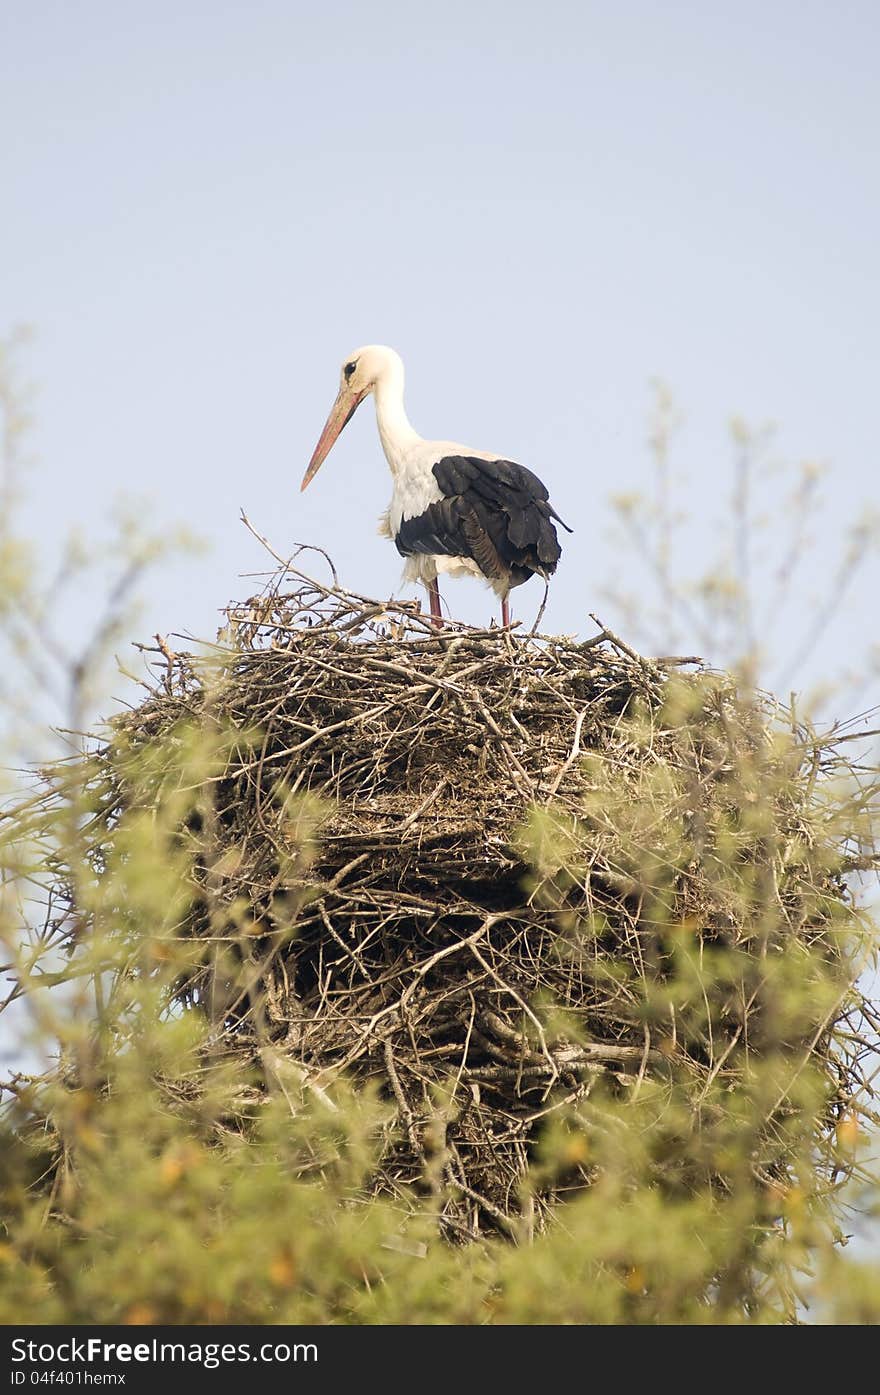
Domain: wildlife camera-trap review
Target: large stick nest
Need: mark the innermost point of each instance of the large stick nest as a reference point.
(419, 946)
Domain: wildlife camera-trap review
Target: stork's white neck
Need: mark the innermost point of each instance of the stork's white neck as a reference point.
(395, 432)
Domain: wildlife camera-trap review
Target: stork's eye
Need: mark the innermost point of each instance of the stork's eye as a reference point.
(349, 368)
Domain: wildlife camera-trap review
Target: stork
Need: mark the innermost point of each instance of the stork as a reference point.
(453, 510)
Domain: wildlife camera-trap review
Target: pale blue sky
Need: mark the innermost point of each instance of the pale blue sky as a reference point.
(206, 205)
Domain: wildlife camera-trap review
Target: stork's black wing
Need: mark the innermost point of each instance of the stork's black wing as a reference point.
(494, 511)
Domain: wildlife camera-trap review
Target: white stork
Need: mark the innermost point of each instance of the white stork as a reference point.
(455, 510)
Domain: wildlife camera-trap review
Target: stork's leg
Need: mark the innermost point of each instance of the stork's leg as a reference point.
(436, 613)
(505, 612)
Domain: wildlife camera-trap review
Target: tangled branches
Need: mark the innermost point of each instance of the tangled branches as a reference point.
(486, 873)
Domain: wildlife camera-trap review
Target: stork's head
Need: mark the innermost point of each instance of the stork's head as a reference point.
(362, 373)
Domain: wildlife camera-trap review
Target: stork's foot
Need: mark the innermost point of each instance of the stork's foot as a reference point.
(505, 613)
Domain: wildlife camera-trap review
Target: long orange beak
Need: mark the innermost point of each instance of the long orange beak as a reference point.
(341, 413)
